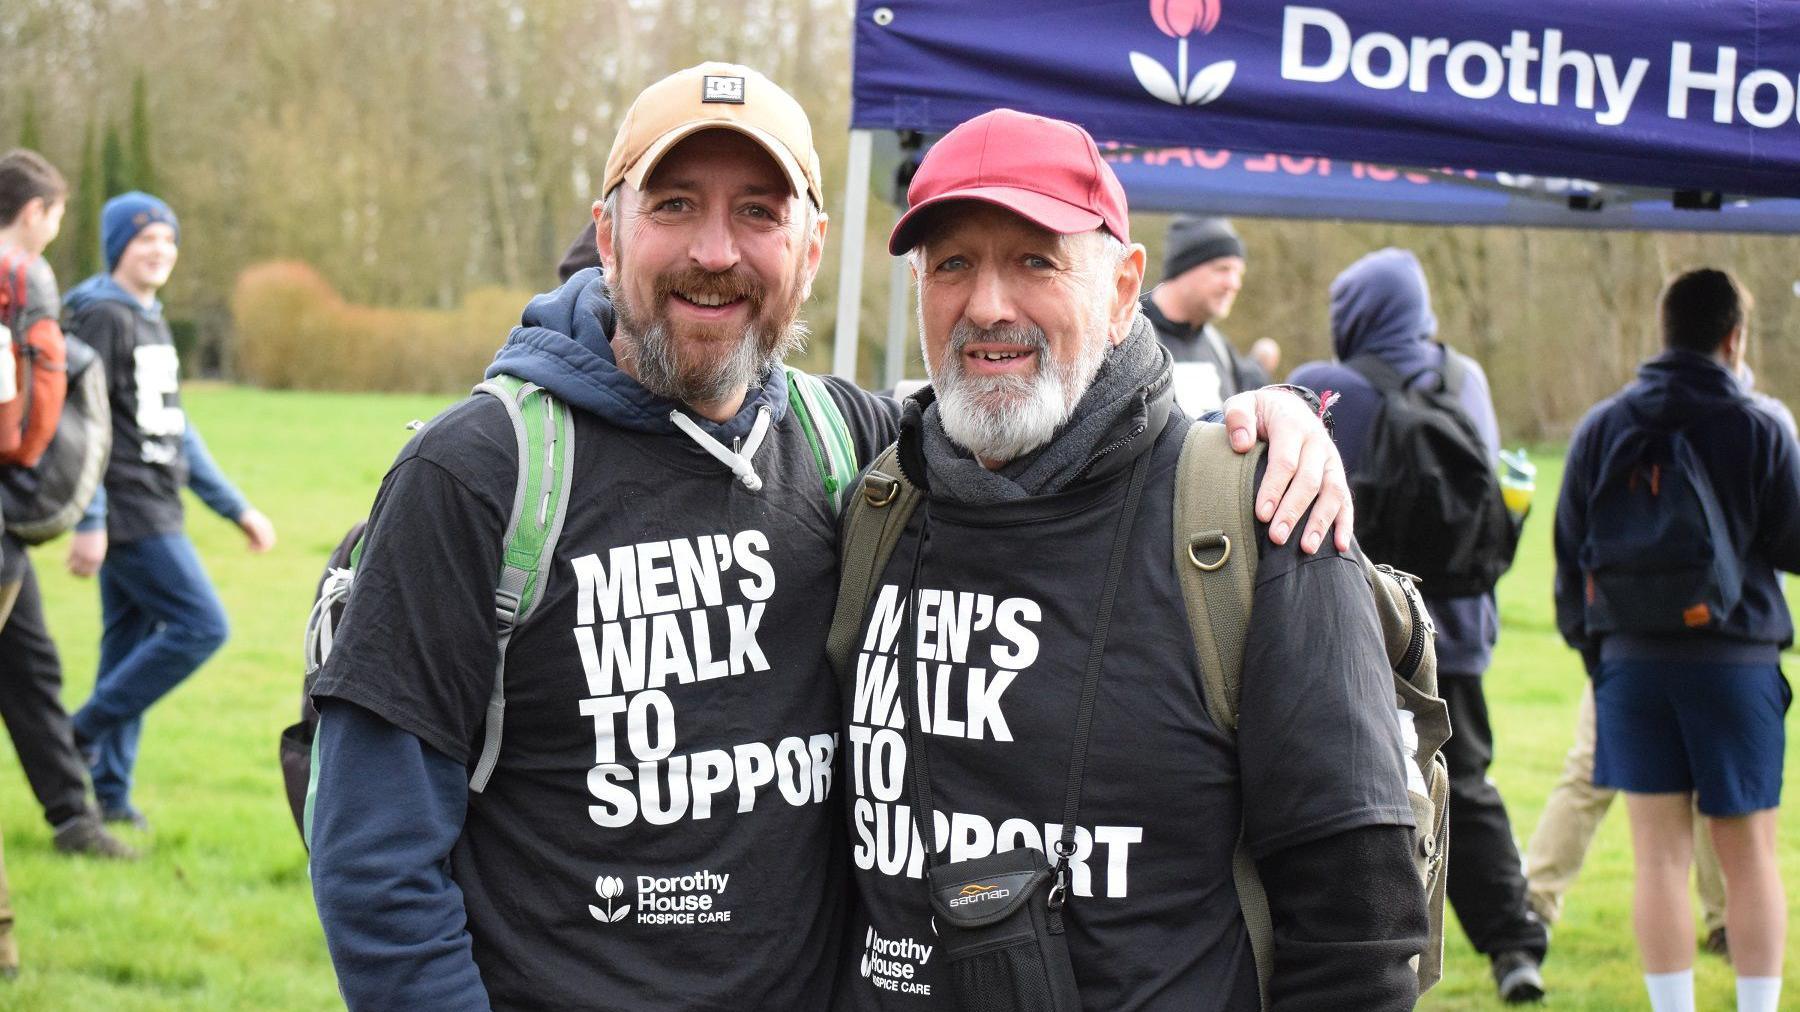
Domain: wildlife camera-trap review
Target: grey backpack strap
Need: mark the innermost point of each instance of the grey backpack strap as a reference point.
(877, 516)
(545, 431)
(1216, 555)
(1455, 370)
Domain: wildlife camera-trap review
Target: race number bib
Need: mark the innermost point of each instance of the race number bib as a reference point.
(157, 374)
(1198, 388)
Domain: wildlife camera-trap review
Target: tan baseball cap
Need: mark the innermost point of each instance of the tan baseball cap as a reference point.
(714, 96)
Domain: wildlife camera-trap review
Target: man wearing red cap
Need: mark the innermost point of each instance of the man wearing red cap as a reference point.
(660, 829)
(1047, 440)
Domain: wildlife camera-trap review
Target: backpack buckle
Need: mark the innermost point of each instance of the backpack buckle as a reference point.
(1059, 888)
(1207, 541)
(879, 490)
(506, 609)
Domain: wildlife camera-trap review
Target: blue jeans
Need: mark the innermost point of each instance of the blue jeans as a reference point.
(161, 620)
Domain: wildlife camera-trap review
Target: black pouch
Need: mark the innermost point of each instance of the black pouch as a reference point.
(1003, 944)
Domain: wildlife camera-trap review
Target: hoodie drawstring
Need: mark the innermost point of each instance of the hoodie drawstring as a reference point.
(738, 462)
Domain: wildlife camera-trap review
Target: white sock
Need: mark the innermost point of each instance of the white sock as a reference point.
(1758, 994)
(1671, 992)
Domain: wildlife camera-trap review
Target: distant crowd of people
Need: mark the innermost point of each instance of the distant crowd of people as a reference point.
(668, 676)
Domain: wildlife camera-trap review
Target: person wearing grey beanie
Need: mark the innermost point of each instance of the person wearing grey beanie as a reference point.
(1203, 268)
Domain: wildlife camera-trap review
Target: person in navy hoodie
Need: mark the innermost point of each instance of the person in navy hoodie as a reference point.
(1381, 305)
(160, 616)
(1693, 717)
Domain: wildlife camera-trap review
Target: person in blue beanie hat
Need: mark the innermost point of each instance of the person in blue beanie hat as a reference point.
(160, 617)
(126, 215)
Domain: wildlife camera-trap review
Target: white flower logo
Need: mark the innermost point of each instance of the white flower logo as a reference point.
(1178, 19)
(610, 888)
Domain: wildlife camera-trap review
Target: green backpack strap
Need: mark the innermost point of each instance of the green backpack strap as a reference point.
(826, 432)
(877, 517)
(545, 431)
(1215, 555)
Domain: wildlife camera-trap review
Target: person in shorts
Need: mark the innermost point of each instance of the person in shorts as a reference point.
(1691, 716)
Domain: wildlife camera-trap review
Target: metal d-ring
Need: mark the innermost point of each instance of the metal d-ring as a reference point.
(879, 490)
(1205, 541)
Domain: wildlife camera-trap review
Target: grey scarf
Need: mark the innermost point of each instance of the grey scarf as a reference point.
(956, 474)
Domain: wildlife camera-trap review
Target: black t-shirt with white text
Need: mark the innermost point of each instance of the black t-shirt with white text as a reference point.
(660, 831)
(147, 468)
(1007, 599)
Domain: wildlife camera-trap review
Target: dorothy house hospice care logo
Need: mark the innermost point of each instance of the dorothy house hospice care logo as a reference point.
(694, 898)
(1179, 19)
(610, 888)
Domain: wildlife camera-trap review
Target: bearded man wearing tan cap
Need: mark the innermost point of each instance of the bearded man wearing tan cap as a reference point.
(660, 829)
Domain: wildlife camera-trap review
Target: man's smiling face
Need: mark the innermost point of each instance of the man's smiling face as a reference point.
(708, 265)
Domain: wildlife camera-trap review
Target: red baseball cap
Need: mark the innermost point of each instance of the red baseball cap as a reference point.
(1045, 170)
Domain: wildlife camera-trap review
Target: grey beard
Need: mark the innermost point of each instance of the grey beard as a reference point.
(660, 369)
(1003, 418)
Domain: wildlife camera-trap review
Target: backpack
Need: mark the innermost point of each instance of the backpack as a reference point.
(328, 609)
(28, 421)
(1428, 498)
(43, 501)
(1215, 496)
(1658, 555)
(545, 431)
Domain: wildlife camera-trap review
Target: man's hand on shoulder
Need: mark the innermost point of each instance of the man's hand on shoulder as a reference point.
(1304, 467)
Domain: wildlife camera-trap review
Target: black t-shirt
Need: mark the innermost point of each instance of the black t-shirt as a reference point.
(661, 831)
(1007, 604)
(147, 469)
(1207, 368)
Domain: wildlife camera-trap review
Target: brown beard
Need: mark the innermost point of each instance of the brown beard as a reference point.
(660, 362)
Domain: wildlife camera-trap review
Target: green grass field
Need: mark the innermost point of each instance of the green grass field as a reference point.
(219, 914)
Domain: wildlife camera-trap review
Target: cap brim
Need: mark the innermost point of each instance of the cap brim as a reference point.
(1051, 213)
(790, 167)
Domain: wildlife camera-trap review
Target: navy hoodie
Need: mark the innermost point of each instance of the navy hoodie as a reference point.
(1754, 466)
(1381, 305)
(662, 829)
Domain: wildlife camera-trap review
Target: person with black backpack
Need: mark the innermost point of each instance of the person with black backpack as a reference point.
(1416, 426)
(32, 195)
(1680, 502)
